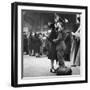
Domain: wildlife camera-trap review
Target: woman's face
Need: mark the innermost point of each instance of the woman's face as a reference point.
(56, 18)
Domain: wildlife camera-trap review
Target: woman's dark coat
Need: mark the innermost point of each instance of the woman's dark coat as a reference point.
(52, 46)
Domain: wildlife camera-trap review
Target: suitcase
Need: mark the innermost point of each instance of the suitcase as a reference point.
(63, 71)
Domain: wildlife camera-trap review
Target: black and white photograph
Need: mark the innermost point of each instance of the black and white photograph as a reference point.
(51, 43)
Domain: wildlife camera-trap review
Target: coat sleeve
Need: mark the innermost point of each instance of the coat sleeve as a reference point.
(59, 37)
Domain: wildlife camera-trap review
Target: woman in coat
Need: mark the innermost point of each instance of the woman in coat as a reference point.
(52, 46)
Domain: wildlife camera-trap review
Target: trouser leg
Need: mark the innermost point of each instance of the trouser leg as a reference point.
(60, 59)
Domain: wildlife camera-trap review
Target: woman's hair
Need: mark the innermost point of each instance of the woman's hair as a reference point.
(51, 26)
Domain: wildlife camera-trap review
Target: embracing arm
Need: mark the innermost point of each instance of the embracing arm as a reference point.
(59, 37)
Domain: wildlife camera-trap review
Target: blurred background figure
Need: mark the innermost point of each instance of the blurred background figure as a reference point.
(37, 45)
(68, 45)
(75, 50)
(30, 44)
(25, 43)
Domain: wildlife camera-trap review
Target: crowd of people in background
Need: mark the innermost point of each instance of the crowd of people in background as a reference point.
(34, 44)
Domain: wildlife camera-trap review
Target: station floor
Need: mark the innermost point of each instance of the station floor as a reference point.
(40, 66)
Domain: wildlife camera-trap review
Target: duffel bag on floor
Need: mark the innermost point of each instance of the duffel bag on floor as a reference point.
(63, 71)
